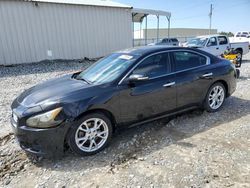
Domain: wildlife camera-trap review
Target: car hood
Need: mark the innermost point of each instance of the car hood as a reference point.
(51, 91)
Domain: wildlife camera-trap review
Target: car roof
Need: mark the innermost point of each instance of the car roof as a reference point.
(208, 36)
(169, 38)
(144, 50)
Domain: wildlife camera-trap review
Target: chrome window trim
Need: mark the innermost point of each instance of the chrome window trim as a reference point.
(208, 62)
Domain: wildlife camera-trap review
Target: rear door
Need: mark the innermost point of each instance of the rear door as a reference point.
(193, 77)
(223, 44)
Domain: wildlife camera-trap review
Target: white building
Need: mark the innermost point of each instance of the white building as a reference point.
(35, 30)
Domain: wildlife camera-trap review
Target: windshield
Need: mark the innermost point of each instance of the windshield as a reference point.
(107, 69)
(197, 41)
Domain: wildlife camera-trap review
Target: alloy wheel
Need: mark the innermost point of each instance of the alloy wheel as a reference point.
(91, 135)
(216, 97)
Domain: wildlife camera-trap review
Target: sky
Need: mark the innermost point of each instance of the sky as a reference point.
(228, 15)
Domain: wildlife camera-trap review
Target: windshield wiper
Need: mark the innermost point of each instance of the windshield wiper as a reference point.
(80, 78)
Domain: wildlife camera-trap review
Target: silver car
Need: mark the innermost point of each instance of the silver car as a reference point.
(167, 41)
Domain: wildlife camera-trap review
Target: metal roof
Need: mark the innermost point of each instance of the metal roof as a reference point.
(103, 3)
(139, 14)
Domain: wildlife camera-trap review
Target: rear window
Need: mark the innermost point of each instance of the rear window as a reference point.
(222, 40)
(174, 40)
(186, 60)
(164, 40)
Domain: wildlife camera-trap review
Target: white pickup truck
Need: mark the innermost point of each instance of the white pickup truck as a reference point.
(241, 36)
(217, 44)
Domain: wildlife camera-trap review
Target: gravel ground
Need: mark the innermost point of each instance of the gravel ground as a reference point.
(195, 149)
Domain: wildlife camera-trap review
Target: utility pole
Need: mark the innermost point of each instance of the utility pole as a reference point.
(210, 18)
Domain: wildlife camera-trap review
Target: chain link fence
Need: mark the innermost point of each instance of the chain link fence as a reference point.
(144, 42)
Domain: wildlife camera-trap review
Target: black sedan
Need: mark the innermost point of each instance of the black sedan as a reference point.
(126, 88)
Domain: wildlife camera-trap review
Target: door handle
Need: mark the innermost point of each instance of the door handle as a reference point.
(207, 75)
(217, 48)
(169, 84)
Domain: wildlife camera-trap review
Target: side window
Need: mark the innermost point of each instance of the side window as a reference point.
(153, 66)
(222, 40)
(212, 41)
(186, 60)
(174, 40)
(164, 40)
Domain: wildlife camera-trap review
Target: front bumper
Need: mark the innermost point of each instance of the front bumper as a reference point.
(41, 142)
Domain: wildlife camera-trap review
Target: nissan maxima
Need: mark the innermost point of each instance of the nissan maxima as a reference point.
(125, 88)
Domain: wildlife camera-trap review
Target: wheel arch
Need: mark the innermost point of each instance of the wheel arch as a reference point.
(99, 110)
(239, 50)
(225, 84)
(222, 82)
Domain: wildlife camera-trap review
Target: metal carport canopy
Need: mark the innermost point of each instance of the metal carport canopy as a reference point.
(139, 14)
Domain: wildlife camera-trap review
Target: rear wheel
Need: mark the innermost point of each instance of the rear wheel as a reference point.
(91, 134)
(215, 97)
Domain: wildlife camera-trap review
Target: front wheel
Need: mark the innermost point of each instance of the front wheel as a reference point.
(215, 97)
(91, 134)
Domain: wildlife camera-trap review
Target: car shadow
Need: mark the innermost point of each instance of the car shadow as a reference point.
(245, 61)
(140, 141)
(243, 78)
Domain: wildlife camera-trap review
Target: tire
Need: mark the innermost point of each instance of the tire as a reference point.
(237, 73)
(91, 134)
(209, 103)
(239, 54)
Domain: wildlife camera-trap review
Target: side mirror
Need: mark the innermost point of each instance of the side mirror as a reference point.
(137, 77)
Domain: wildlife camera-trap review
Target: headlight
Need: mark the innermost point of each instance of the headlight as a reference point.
(45, 120)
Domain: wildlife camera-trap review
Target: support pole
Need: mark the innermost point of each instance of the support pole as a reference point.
(133, 38)
(168, 18)
(146, 30)
(140, 33)
(210, 18)
(157, 28)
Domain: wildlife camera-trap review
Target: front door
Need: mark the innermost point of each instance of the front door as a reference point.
(213, 47)
(148, 98)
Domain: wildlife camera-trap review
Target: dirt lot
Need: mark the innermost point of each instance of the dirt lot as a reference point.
(195, 149)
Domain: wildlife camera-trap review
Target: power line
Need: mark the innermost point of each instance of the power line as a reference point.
(189, 17)
(193, 6)
(233, 5)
